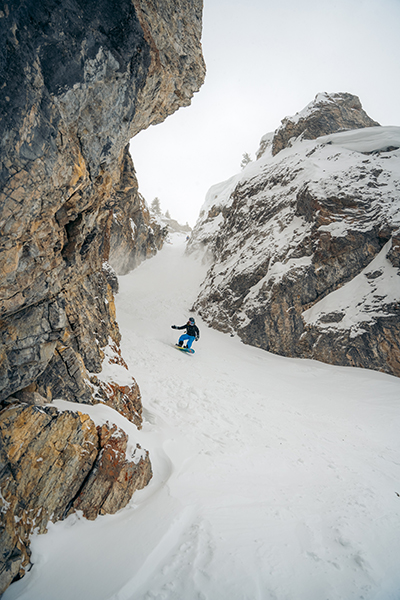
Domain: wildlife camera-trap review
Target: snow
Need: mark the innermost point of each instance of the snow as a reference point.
(262, 234)
(274, 478)
(219, 194)
(133, 228)
(360, 300)
(321, 98)
(368, 139)
(4, 505)
(265, 144)
(329, 166)
(112, 372)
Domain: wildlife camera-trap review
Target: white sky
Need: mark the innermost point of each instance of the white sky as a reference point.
(266, 60)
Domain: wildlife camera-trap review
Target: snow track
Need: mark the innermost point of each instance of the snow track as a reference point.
(274, 478)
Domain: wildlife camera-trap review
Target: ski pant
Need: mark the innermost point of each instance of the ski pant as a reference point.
(189, 338)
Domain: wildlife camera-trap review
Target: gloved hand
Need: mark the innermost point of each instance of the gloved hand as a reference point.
(173, 326)
(196, 339)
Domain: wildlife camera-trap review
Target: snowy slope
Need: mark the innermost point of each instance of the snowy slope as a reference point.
(274, 478)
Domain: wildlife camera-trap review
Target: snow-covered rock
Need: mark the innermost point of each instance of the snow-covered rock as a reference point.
(304, 245)
(327, 113)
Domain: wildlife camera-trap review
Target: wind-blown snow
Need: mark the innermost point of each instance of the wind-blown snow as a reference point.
(274, 478)
(368, 139)
(220, 193)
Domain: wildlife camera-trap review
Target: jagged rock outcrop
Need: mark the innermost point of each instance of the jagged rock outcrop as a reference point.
(327, 113)
(304, 248)
(113, 479)
(79, 80)
(42, 450)
(134, 235)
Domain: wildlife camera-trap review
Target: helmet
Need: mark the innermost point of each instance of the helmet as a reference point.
(191, 320)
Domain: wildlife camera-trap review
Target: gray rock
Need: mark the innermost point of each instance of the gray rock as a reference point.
(328, 113)
(80, 79)
(298, 229)
(134, 235)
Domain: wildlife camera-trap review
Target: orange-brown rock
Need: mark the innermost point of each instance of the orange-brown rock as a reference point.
(126, 399)
(113, 479)
(41, 450)
(79, 80)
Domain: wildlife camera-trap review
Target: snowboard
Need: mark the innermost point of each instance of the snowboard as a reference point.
(182, 349)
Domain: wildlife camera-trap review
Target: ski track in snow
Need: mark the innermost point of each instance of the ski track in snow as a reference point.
(274, 478)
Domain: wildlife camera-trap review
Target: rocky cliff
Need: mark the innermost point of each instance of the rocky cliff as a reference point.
(304, 243)
(78, 80)
(134, 235)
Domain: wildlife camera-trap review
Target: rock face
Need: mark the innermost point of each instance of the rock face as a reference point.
(134, 235)
(304, 247)
(327, 113)
(79, 80)
(136, 231)
(113, 479)
(42, 450)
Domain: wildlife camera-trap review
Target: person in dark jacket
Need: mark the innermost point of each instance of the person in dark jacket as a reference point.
(192, 333)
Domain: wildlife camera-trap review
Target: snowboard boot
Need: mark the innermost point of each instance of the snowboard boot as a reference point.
(180, 344)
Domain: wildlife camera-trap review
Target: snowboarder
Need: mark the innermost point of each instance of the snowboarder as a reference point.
(192, 334)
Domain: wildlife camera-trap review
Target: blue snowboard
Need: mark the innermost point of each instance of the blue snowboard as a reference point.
(184, 349)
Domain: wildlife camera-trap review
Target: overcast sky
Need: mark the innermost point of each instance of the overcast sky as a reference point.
(266, 60)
